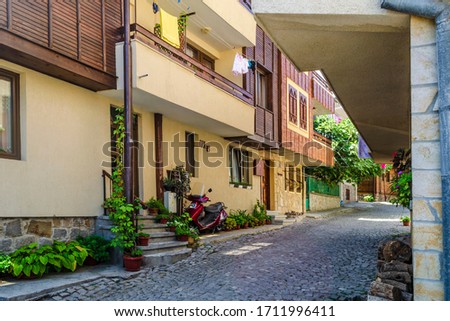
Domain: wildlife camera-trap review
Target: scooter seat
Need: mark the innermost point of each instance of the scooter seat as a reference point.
(214, 208)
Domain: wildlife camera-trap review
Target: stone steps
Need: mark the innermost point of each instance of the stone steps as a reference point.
(157, 237)
(163, 248)
(281, 219)
(166, 258)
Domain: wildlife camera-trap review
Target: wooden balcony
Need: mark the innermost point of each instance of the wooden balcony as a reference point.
(322, 93)
(178, 56)
(322, 139)
(70, 40)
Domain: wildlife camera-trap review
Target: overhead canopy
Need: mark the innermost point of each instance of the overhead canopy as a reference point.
(363, 50)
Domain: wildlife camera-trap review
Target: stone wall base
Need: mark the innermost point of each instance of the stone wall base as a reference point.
(18, 232)
(321, 202)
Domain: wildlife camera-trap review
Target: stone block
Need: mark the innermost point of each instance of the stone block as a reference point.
(6, 245)
(422, 98)
(427, 184)
(425, 127)
(423, 65)
(62, 222)
(428, 290)
(60, 234)
(40, 228)
(13, 228)
(24, 240)
(437, 207)
(423, 31)
(426, 155)
(422, 211)
(45, 241)
(427, 265)
(427, 236)
(75, 232)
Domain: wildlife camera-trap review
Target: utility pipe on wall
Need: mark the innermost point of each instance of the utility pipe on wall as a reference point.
(439, 11)
(128, 108)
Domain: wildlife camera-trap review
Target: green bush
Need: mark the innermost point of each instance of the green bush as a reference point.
(34, 261)
(96, 246)
(230, 223)
(368, 198)
(5, 263)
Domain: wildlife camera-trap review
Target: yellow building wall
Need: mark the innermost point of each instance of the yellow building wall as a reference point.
(216, 178)
(63, 130)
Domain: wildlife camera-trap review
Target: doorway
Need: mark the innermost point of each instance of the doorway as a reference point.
(266, 185)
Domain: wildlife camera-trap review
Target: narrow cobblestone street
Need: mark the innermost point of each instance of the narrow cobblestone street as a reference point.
(331, 258)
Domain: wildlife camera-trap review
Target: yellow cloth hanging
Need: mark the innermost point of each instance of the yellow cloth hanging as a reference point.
(169, 28)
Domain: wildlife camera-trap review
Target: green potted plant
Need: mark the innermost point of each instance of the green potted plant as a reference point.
(406, 220)
(122, 213)
(154, 206)
(182, 232)
(230, 223)
(164, 216)
(143, 239)
(193, 235)
(168, 184)
(97, 248)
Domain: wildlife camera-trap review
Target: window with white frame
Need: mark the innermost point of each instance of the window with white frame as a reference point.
(239, 164)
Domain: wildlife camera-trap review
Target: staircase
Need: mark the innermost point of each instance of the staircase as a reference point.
(281, 219)
(163, 247)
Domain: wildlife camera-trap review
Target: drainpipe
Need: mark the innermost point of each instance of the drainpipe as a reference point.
(439, 11)
(128, 109)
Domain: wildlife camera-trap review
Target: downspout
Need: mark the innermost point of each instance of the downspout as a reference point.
(439, 11)
(128, 109)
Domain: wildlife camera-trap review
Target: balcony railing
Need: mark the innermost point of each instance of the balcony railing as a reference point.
(322, 91)
(200, 70)
(322, 139)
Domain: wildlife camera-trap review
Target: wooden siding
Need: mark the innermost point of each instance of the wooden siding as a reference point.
(315, 149)
(85, 31)
(265, 53)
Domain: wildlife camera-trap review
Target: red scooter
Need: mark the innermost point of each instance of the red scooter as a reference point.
(206, 217)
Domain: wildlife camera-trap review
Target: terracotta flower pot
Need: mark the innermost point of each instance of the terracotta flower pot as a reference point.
(153, 211)
(132, 264)
(182, 238)
(172, 228)
(163, 221)
(143, 240)
(406, 223)
(268, 222)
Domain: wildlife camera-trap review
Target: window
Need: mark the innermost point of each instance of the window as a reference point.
(191, 163)
(297, 107)
(201, 57)
(9, 115)
(239, 161)
(293, 179)
(262, 89)
(292, 105)
(303, 107)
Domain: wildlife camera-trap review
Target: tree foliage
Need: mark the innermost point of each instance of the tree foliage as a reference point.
(348, 167)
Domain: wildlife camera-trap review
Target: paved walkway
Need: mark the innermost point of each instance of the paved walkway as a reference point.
(332, 257)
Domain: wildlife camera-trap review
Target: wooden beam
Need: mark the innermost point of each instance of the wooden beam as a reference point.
(28, 54)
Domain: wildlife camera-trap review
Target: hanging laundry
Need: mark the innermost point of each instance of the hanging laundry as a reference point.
(240, 65)
(155, 8)
(252, 65)
(169, 28)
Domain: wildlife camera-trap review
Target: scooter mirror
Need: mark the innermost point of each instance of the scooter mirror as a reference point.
(210, 190)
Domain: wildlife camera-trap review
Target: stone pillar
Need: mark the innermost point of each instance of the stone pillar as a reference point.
(427, 192)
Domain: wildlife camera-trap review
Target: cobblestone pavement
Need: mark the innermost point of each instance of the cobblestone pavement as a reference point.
(332, 258)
